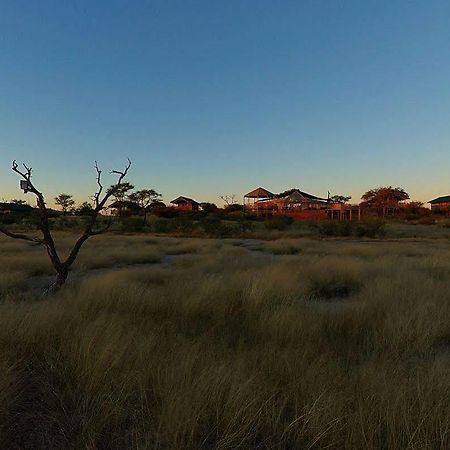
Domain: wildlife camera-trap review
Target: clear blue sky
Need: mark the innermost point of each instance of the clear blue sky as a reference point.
(213, 97)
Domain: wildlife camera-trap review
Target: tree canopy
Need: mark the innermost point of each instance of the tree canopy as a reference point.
(85, 209)
(120, 193)
(144, 198)
(65, 201)
(386, 196)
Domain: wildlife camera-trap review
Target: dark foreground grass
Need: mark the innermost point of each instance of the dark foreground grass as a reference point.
(224, 349)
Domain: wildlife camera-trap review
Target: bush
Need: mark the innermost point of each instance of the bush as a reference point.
(9, 219)
(278, 223)
(333, 228)
(245, 225)
(183, 224)
(215, 227)
(370, 228)
(367, 228)
(234, 208)
(65, 223)
(132, 224)
(162, 226)
(166, 212)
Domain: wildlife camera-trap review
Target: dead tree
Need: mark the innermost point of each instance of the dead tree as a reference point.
(100, 199)
(229, 199)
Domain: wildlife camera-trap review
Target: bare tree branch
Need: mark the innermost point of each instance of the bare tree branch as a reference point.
(96, 196)
(229, 199)
(122, 174)
(100, 204)
(62, 267)
(24, 237)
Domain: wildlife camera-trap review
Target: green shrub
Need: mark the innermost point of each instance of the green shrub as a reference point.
(215, 227)
(278, 223)
(183, 224)
(370, 228)
(334, 228)
(65, 223)
(162, 226)
(167, 212)
(132, 224)
(245, 225)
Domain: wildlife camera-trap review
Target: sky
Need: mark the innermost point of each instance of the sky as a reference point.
(218, 97)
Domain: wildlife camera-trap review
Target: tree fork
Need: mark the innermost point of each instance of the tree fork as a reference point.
(100, 199)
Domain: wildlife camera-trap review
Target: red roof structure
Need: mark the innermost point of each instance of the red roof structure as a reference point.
(259, 193)
(185, 203)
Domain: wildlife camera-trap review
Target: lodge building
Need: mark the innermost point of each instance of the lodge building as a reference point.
(185, 204)
(441, 205)
(297, 204)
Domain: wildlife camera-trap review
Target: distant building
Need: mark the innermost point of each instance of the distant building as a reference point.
(298, 205)
(124, 208)
(185, 204)
(292, 202)
(441, 205)
(15, 208)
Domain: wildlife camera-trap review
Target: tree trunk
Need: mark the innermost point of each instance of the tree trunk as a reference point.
(61, 278)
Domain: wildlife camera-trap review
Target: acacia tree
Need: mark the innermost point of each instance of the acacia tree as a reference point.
(85, 209)
(120, 195)
(384, 197)
(100, 199)
(65, 201)
(144, 198)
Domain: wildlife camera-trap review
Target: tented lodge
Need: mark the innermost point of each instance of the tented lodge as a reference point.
(297, 204)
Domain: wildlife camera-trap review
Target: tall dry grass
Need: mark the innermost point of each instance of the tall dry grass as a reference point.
(226, 347)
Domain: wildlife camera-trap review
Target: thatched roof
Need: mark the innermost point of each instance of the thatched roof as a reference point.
(119, 204)
(157, 204)
(444, 199)
(182, 199)
(259, 193)
(297, 195)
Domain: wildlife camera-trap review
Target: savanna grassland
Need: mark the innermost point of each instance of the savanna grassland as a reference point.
(184, 343)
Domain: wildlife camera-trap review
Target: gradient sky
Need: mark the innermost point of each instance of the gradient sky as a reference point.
(214, 97)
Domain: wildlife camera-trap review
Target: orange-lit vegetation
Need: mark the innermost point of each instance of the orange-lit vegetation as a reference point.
(171, 343)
